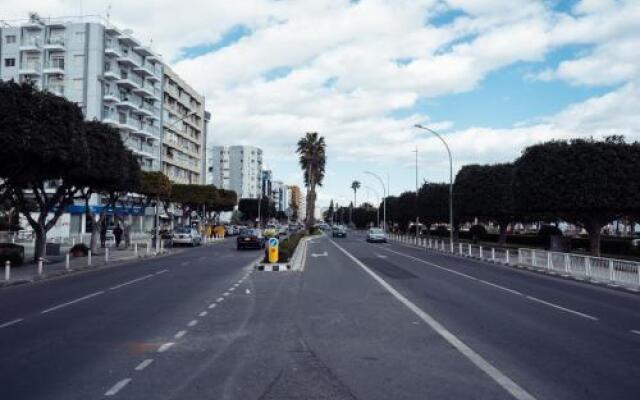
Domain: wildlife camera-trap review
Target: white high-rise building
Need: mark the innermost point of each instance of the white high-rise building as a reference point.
(280, 195)
(106, 71)
(237, 168)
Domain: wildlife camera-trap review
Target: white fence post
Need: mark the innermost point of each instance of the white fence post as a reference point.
(89, 258)
(40, 260)
(519, 256)
(481, 252)
(612, 276)
(533, 258)
(493, 254)
(7, 270)
(566, 263)
(469, 249)
(135, 249)
(507, 257)
(148, 246)
(67, 263)
(73, 241)
(106, 255)
(549, 261)
(587, 267)
(460, 248)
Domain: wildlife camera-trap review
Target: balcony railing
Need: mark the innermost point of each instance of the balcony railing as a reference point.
(56, 41)
(31, 42)
(56, 89)
(56, 64)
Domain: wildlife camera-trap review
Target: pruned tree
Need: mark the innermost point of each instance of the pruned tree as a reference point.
(485, 192)
(433, 204)
(582, 181)
(42, 138)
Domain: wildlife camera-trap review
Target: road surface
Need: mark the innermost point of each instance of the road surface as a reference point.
(362, 321)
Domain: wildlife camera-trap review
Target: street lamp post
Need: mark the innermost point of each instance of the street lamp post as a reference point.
(377, 208)
(384, 200)
(450, 179)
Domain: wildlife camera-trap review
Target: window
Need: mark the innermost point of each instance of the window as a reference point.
(9, 62)
(10, 39)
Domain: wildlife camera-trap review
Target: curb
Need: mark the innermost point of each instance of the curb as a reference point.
(296, 263)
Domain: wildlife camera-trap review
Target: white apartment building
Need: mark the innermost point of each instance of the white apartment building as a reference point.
(280, 195)
(108, 73)
(237, 168)
(184, 138)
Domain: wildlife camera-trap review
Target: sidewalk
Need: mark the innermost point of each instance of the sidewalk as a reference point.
(56, 266)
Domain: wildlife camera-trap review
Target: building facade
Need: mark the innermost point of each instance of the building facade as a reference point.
(280, 195)
(184, 136)
(110, 75)
(267, 178)
(237, 168)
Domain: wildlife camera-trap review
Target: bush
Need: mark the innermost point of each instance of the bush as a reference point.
(11, 252)
(79, 250)
(288, 246)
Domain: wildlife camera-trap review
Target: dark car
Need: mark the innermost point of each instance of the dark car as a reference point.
(339, 231)
(250, 239)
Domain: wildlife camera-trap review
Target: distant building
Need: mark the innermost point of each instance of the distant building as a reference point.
(267, 178)
(280, 195)
(295, 202)
(237, 168)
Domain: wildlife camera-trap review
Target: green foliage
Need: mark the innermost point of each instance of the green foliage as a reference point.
(582, 181)
(11, 252)
(549, 230)
(155, 184)
(79, 248)
(312, 156)
(365, 216)
(478, 232)
(249, 209)
(433, 203)
(484, 191)
(288, 246)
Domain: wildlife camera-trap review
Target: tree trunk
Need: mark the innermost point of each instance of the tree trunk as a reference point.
(502, 236)
(41, 240)
(593, 227)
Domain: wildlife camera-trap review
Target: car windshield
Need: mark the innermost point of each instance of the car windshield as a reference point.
(182, 230)
(376, 231)
(246, 231)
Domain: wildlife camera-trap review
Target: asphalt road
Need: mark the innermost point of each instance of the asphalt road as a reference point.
(362, 321)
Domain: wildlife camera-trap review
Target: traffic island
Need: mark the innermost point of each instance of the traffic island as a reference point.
(286, 256)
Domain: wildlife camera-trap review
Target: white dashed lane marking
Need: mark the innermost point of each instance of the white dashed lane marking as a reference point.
(192, 323)
(180, 334)
(220, 299)
(202, 314)
(165, 347)
(635, 331)
(144, 364)
(562, 308)
(132, 281)
(72, 302)
(117, 387)
(213, 305)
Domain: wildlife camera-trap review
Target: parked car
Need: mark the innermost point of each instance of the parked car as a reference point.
(376, 235)
(339, 231)
(250, 238)
(186, 236)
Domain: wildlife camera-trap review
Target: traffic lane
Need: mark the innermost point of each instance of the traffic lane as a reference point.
(248, 348)
(25, 300)
(618, 308)
(554, 353)
(75, 351)
(375, 345)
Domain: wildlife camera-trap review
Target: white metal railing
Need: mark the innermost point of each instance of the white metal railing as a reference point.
(598, 269)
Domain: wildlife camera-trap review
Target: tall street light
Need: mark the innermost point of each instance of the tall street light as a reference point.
(450, 179)
(384, 200)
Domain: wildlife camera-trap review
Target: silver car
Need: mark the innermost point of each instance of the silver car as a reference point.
(186, 236)
(376, 235)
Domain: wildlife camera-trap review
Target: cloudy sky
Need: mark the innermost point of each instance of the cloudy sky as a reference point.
(491, 75)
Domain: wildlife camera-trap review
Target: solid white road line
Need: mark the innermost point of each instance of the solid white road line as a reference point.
(72, 302)
(635, 331)
(501, 379)
(165, 347)
(180, 334)
(562, 308)
(131, 281)
(117, 387)
(15, 321)
(144, 364)
(500, 287)
(213, 305)
(162, 272)
(432, 264)
(202, 314)
(192, 323)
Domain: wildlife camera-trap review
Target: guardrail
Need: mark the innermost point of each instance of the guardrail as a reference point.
(596, 269)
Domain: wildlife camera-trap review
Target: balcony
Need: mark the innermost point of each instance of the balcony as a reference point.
(148, 110)
(111, 117)
(30, 69)
(111, 72)
(55, 43)
(55, 66)
(128, 102)
(129, 81)
(130, 59)
(31, 44)
(112, 48)
(126, 123)
(146, 90)
(111, 96)
(145, 69)
(140, 149)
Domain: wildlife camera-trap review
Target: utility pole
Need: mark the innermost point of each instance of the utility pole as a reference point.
(416, 201)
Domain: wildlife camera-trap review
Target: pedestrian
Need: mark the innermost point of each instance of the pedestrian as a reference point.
(117, 234)
(103, 234)
(126, 231)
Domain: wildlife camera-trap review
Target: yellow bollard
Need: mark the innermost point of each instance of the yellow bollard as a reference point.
(273, 250)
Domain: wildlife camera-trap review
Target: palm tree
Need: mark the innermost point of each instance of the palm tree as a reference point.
(355, 185)
(312, 156)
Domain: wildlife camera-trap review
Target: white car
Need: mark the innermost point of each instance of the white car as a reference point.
(376, 235)
(186, 236)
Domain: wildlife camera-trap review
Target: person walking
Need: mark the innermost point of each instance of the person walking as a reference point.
(117, 234)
